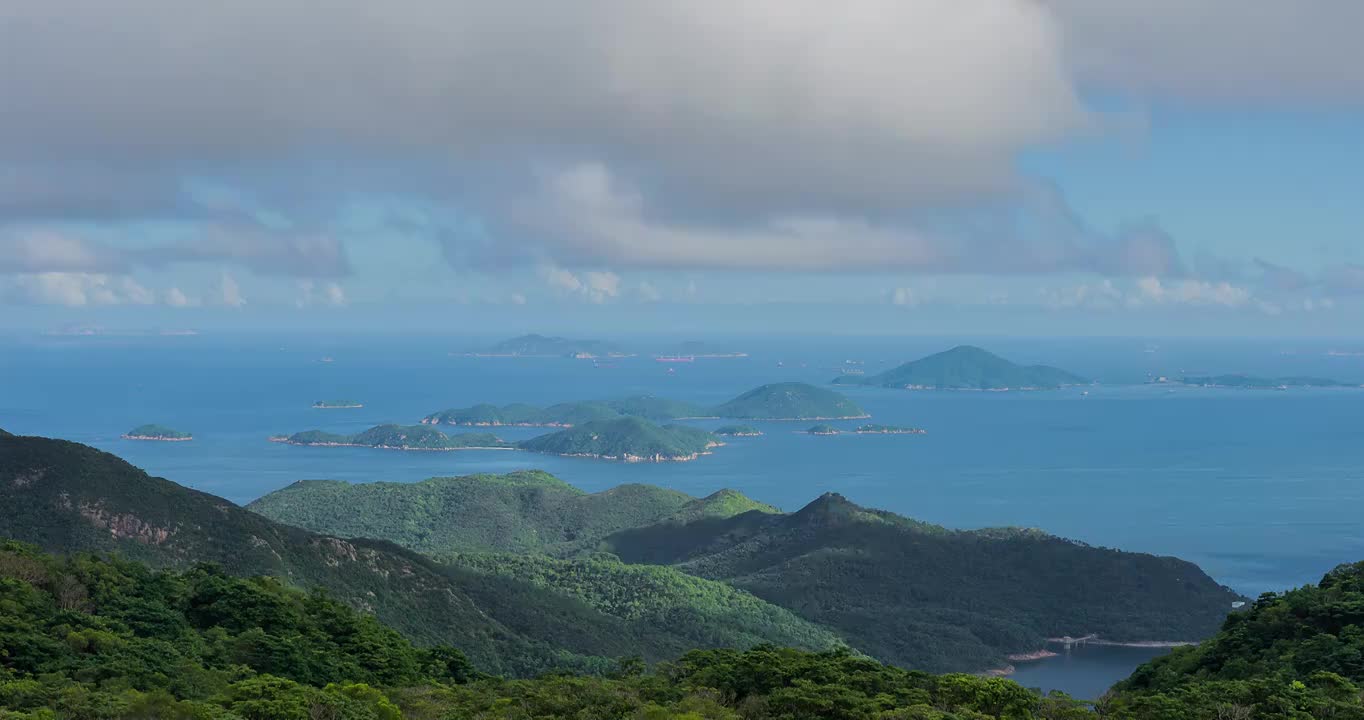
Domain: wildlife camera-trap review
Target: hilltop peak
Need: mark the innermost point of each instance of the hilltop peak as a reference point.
(966, 367)
(830, 506)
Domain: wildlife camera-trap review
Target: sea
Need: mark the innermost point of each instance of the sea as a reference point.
(1264, 489)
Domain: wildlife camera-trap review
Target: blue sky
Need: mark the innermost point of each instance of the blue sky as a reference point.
(1011, 166)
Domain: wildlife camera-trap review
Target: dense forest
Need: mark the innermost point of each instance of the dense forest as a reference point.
(85, 636)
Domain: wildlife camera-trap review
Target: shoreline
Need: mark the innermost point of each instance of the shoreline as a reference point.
(154, 438)
(1045, 654)
(286, 441)
(1095, 640)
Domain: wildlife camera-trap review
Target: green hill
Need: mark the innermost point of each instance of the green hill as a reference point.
(821, 430)
(529, 511)
(790, 401)
(65, 497)
(926, 597)
(629, 439)
(1298, 654)
(399, 437)
(966, 368)
(156, 432)
(693, 611)
(653, 407)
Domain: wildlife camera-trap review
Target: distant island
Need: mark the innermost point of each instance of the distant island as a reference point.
(822, 430)
(337, 404)
(966, 368)
(791, 401)
(626, 439)
(522, 415)
(157, 432)
(737, 431)
(546, 346)
(398, 437)
(698, 349)
(1261, 383)
(888, 430)
(782, 401)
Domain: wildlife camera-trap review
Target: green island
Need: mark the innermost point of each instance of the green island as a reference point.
(888, 430)
(821, 430)
(157, 432)
(533, 345)
(519, 414)
(1261, 383)
(966, 367)
(737, 431)
(398, 437)
(627, 439)
(338, 404)
(790, 401)
(212, 611)
(782, 401)
(567, 414)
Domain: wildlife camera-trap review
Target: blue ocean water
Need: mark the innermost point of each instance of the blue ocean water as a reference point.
(1263, 489)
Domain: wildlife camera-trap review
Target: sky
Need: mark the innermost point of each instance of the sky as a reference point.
(1164, 167)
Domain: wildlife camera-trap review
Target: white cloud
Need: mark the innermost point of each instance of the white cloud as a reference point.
(595, 286)
(77, 289)
(648, 292)
(311, 293)
(584, 215)
(755, 102)
(175, 297)
(333, 294)
(904, 296)
(227, 292)
(37, 250)
(1189, 292)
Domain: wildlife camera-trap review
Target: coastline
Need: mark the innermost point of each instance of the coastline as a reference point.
(155, 438)
(287, 441)
(629, 458)
(1095, 640)
(1044, 654)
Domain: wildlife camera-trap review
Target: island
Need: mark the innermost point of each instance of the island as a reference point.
(1251, 382)
(781, 401)
(547, 346)
(626, 439)
(888, 430)
(966, 367)
(563, 415)
(822, 430)
(736, 431)
(337, 405)
(398, 437)
(791, 401)
(157, 432)
(699, 349)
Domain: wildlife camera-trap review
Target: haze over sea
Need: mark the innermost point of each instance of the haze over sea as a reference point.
(1263, 489)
